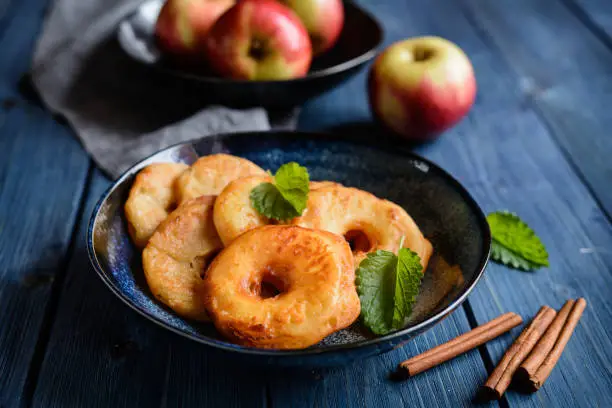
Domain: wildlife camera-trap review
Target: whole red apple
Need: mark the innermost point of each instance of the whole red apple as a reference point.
(259, 40)
(323, 20)
(182, 25)
(421, 86)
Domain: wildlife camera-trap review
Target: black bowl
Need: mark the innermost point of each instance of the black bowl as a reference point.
(442, 208)
(357, 44)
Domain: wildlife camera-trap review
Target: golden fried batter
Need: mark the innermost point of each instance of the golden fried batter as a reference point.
(177, 255)
(282, 287)
(210, 174)
(366, 221)
(234, 213)
(151, 199)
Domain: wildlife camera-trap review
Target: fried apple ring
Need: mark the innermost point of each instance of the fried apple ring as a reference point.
(210, 174)
(234, 213)
(151, 199)
(367, 222)
(313, 292)
(177, 255)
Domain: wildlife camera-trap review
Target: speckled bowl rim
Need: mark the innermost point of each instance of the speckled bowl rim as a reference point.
(395, 147)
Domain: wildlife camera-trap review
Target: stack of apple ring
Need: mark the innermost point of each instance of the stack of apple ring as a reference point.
(210, 256)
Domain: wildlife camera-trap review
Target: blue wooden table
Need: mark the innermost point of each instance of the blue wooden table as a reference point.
(538, 142)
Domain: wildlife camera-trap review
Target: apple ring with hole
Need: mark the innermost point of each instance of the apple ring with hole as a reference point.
(234, 214)
(210, 174)
(282, 287)
(178, 254)
(151, 199)
(367, 222)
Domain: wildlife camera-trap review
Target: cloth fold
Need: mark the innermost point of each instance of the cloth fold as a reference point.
(121, 110)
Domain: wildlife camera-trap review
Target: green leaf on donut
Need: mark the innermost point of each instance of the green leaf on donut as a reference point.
(388, 285)
(287, 197)
(293, 181)
(407, 285)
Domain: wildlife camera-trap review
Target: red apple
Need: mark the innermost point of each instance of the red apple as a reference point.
(421, 86)
(322, 18)
(182, 25)
(259, 40)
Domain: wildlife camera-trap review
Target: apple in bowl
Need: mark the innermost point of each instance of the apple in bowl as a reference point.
(323, 20)
(259, 40)
(421, 86)
(182, 25)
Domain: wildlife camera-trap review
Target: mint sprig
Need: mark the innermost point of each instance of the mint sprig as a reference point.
(287, 197)
(388, 285)
(515, 244)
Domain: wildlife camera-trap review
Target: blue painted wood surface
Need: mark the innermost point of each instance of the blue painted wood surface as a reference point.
(565, 70)
(536, 142)
(596, 14)
(42, 176)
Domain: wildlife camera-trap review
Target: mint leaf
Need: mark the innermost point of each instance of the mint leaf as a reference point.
(501, 254)
(292, 181)
(269, 202)
(409, 272)
(376, 288)
(514, 243)
(287, 197)
(388, 285)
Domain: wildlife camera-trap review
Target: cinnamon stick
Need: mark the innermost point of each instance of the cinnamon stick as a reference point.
(538, 378)
(535, 359)
(460, 344)
(500, 378)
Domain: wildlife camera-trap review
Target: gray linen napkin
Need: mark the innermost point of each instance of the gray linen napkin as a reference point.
(122, 111)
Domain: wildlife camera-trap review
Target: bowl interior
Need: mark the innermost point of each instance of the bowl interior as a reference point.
(358, 41)
(441, 207)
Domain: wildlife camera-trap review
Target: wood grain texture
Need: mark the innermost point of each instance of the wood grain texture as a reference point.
(506, 156)
(367, 384)
(42, 174)
(100, 353)
(599, 12)
(565, 69)
(523, 176)
(525, 172)
(103, 354)
(20, 23)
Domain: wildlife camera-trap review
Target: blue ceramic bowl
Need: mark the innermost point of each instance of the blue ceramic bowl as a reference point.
(442, 208)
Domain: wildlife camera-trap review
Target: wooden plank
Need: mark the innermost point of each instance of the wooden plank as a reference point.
(97, 346)
(525, 175)
(507, 158)
(200, 378)
(20, 23)
(599, 12)
(42, 174)
(101, 353)
(553, 64)
(367, 384)
(565, 69)
(578, 113)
